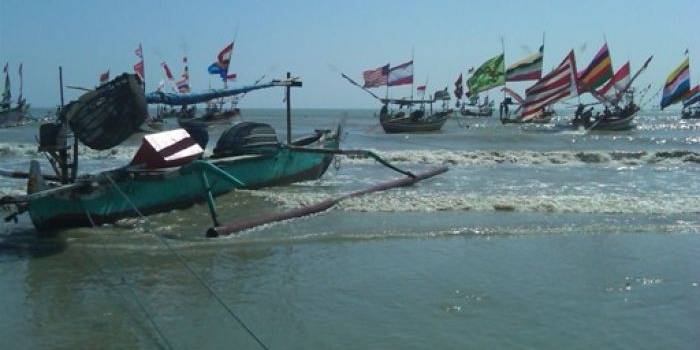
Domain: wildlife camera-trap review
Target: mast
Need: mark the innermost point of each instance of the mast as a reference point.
(410, 108)
(21, 83)
(288, 89)
(505, 81)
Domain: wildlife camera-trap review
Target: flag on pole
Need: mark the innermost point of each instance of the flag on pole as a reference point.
(528, 68)
(401, 74)
(459, 90)
(421, 90)
(555, 86)
(692, 97)
(677, 84)
(104, 77)
(139, 66)
(223, 60)
(376, 77)
(490, 74)
(598, 72)
(168, 73)
(614, 88)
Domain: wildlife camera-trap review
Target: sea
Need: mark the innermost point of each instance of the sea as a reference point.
(538, 237)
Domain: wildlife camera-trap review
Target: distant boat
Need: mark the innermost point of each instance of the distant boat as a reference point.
(17, 114)
(473, 109)
(691, 104)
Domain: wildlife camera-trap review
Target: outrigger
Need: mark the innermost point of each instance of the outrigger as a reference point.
(169, 170)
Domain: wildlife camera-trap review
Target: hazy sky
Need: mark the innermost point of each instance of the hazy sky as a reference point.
(318, 39)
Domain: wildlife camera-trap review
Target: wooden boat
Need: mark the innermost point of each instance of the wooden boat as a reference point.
(610, 120)
(13, 115)
(690, 113)
(475, 110)
(544, 117)
(414, 122)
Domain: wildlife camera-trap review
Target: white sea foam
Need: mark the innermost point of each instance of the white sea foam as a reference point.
(420, 201)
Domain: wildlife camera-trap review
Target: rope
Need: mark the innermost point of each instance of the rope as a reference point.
(129, 286)
(191, 271)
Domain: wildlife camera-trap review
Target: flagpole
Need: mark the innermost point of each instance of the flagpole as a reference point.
(410, 107)
(503, 49)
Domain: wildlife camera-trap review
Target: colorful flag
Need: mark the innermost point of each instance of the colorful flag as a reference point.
(557, 85)
(104, 77)
(376, 77)
(598, 72)
(168, 73)
(528, 68)
(223, 60)
(401, 74)
(614, 88)
(459, 90)
(139, 66)
(677, 84)
(487, 76)
(693, 96)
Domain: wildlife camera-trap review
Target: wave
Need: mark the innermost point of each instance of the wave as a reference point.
(451, 157)
(420, 201)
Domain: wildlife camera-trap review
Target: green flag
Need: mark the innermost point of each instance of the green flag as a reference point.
(491, 74)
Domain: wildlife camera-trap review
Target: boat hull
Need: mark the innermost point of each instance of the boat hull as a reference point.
(14, 116)
(405, 125)
(98, 200)
(476, 113)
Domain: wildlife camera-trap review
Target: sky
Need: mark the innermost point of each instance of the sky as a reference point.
(316, 40)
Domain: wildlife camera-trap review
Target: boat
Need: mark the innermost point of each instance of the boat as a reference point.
(412, 120)
(477, 110)
(691, 113)
(616, 119)
(169, 170)
(691, 104)
(13, 115)
(412, 116)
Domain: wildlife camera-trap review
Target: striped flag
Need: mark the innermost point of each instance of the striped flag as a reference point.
(139, 66)
(513, 94)
(401, 74)
(528, 68)
(376, 77)
(693, 96)
(555, 86)
(598, 71)
(223, 60)
(614, 88)
(677, 84)
(168, 73)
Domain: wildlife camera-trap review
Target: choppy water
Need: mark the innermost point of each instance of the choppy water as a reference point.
(537, 237)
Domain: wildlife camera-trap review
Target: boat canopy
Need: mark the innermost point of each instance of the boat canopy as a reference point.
(175, 99)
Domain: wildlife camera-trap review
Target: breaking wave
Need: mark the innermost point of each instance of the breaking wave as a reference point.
(450, 157)
(420, 201)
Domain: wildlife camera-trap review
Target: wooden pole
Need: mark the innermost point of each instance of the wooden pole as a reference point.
(289, 110)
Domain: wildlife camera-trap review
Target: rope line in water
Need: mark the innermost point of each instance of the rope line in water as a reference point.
(191, 271)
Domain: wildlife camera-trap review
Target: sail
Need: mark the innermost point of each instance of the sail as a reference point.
(528, 68)
(615, 87)
(559, 84)
(489, 75)
(20, 98)
(6, 94)
(692, 97)
(677, 84)
(598, 72)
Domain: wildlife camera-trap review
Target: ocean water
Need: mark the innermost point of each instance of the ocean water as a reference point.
(537, 237)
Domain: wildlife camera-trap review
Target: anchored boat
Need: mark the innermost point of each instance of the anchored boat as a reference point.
(17, 114)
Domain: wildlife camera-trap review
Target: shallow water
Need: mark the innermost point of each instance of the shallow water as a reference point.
(537, 237)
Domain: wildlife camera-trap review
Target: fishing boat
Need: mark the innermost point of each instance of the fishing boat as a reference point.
(169, 170)
(409, 120)
(13, 115)
(474, 109)
(691, 104)
(411, 116)
(615, 119)
(691, 112)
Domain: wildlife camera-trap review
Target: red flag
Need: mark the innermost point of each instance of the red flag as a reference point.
(421, 88)
(138, 68)
(104, 77)
(558, 84)
(168, 73)
(401, 74)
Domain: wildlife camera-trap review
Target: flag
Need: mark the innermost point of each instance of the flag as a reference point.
(557, 85)
(614, 88)
(168, 73)
(487, 76)
(677, 84)
(104, 77)
(441, 95)
(183, 85)
(139, 51)
(471, 70)
(513, 94)
(693, 96)
(598, 72)
(459, 90)
(223, 60)
(401, 74)
(231, 76)
(376, 77)
(139, 66)
(528, 68)
(421, 88)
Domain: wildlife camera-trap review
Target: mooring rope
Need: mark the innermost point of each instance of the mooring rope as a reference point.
(191, 271)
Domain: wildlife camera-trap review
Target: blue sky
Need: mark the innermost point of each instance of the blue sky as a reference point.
(318, 39)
